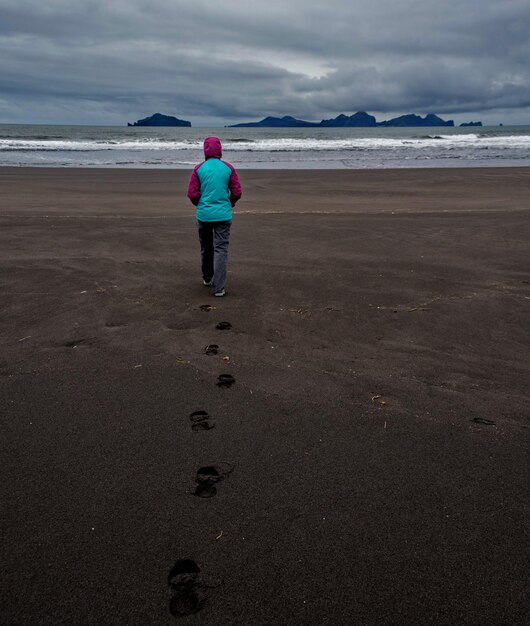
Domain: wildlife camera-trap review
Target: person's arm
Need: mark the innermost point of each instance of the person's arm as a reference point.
(234, 186)
(194, 187)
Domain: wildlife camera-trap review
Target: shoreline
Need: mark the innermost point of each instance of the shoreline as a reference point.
(264, 169)
(281, 167)
(163, 191)
(294, 170)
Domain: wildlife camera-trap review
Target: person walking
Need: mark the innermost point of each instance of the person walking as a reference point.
(214, 188)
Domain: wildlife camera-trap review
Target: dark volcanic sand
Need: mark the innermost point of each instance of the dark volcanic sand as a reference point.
(343, 477)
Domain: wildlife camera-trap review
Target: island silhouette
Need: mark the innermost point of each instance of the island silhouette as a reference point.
(361, 119)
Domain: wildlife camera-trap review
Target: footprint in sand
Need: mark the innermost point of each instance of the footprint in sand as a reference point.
(482, 420)
(208, 476)
(225, 380)
(207, 307)
(224, 326)
(77, 342)
(200, 421)
(187, 593)
(211, 348)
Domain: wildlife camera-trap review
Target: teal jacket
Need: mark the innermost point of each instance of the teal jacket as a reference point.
(214, 186)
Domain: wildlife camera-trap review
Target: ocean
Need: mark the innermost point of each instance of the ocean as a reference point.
(265, 148)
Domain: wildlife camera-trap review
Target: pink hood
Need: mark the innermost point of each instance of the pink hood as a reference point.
(212, 148)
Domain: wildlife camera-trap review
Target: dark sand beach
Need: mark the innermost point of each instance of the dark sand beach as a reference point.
(368, 466)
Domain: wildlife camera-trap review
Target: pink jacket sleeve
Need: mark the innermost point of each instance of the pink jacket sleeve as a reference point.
(234, 186)
(194, 187)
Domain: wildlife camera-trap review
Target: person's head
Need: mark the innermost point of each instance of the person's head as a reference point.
(212, 148)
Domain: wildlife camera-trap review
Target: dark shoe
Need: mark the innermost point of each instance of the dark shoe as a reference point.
(207, 283)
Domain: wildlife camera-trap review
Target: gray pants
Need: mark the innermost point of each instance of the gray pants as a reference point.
(214, 237)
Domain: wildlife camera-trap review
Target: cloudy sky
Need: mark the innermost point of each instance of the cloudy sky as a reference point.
(218, 62)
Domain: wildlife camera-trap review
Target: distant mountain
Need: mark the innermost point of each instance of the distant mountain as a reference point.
(276, 122)
(416, 120)
(160, 120)
(361, 119)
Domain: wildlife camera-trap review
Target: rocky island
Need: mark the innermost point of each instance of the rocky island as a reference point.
(161, 120)
(412, 120)
(276, 122)
(361, 119)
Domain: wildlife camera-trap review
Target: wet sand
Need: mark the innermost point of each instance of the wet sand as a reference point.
(369, 464)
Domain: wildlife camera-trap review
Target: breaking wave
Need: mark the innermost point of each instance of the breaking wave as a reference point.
(91, 146)
(276, 144)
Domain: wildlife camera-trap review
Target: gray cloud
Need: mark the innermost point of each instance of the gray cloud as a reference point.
(113, 61)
